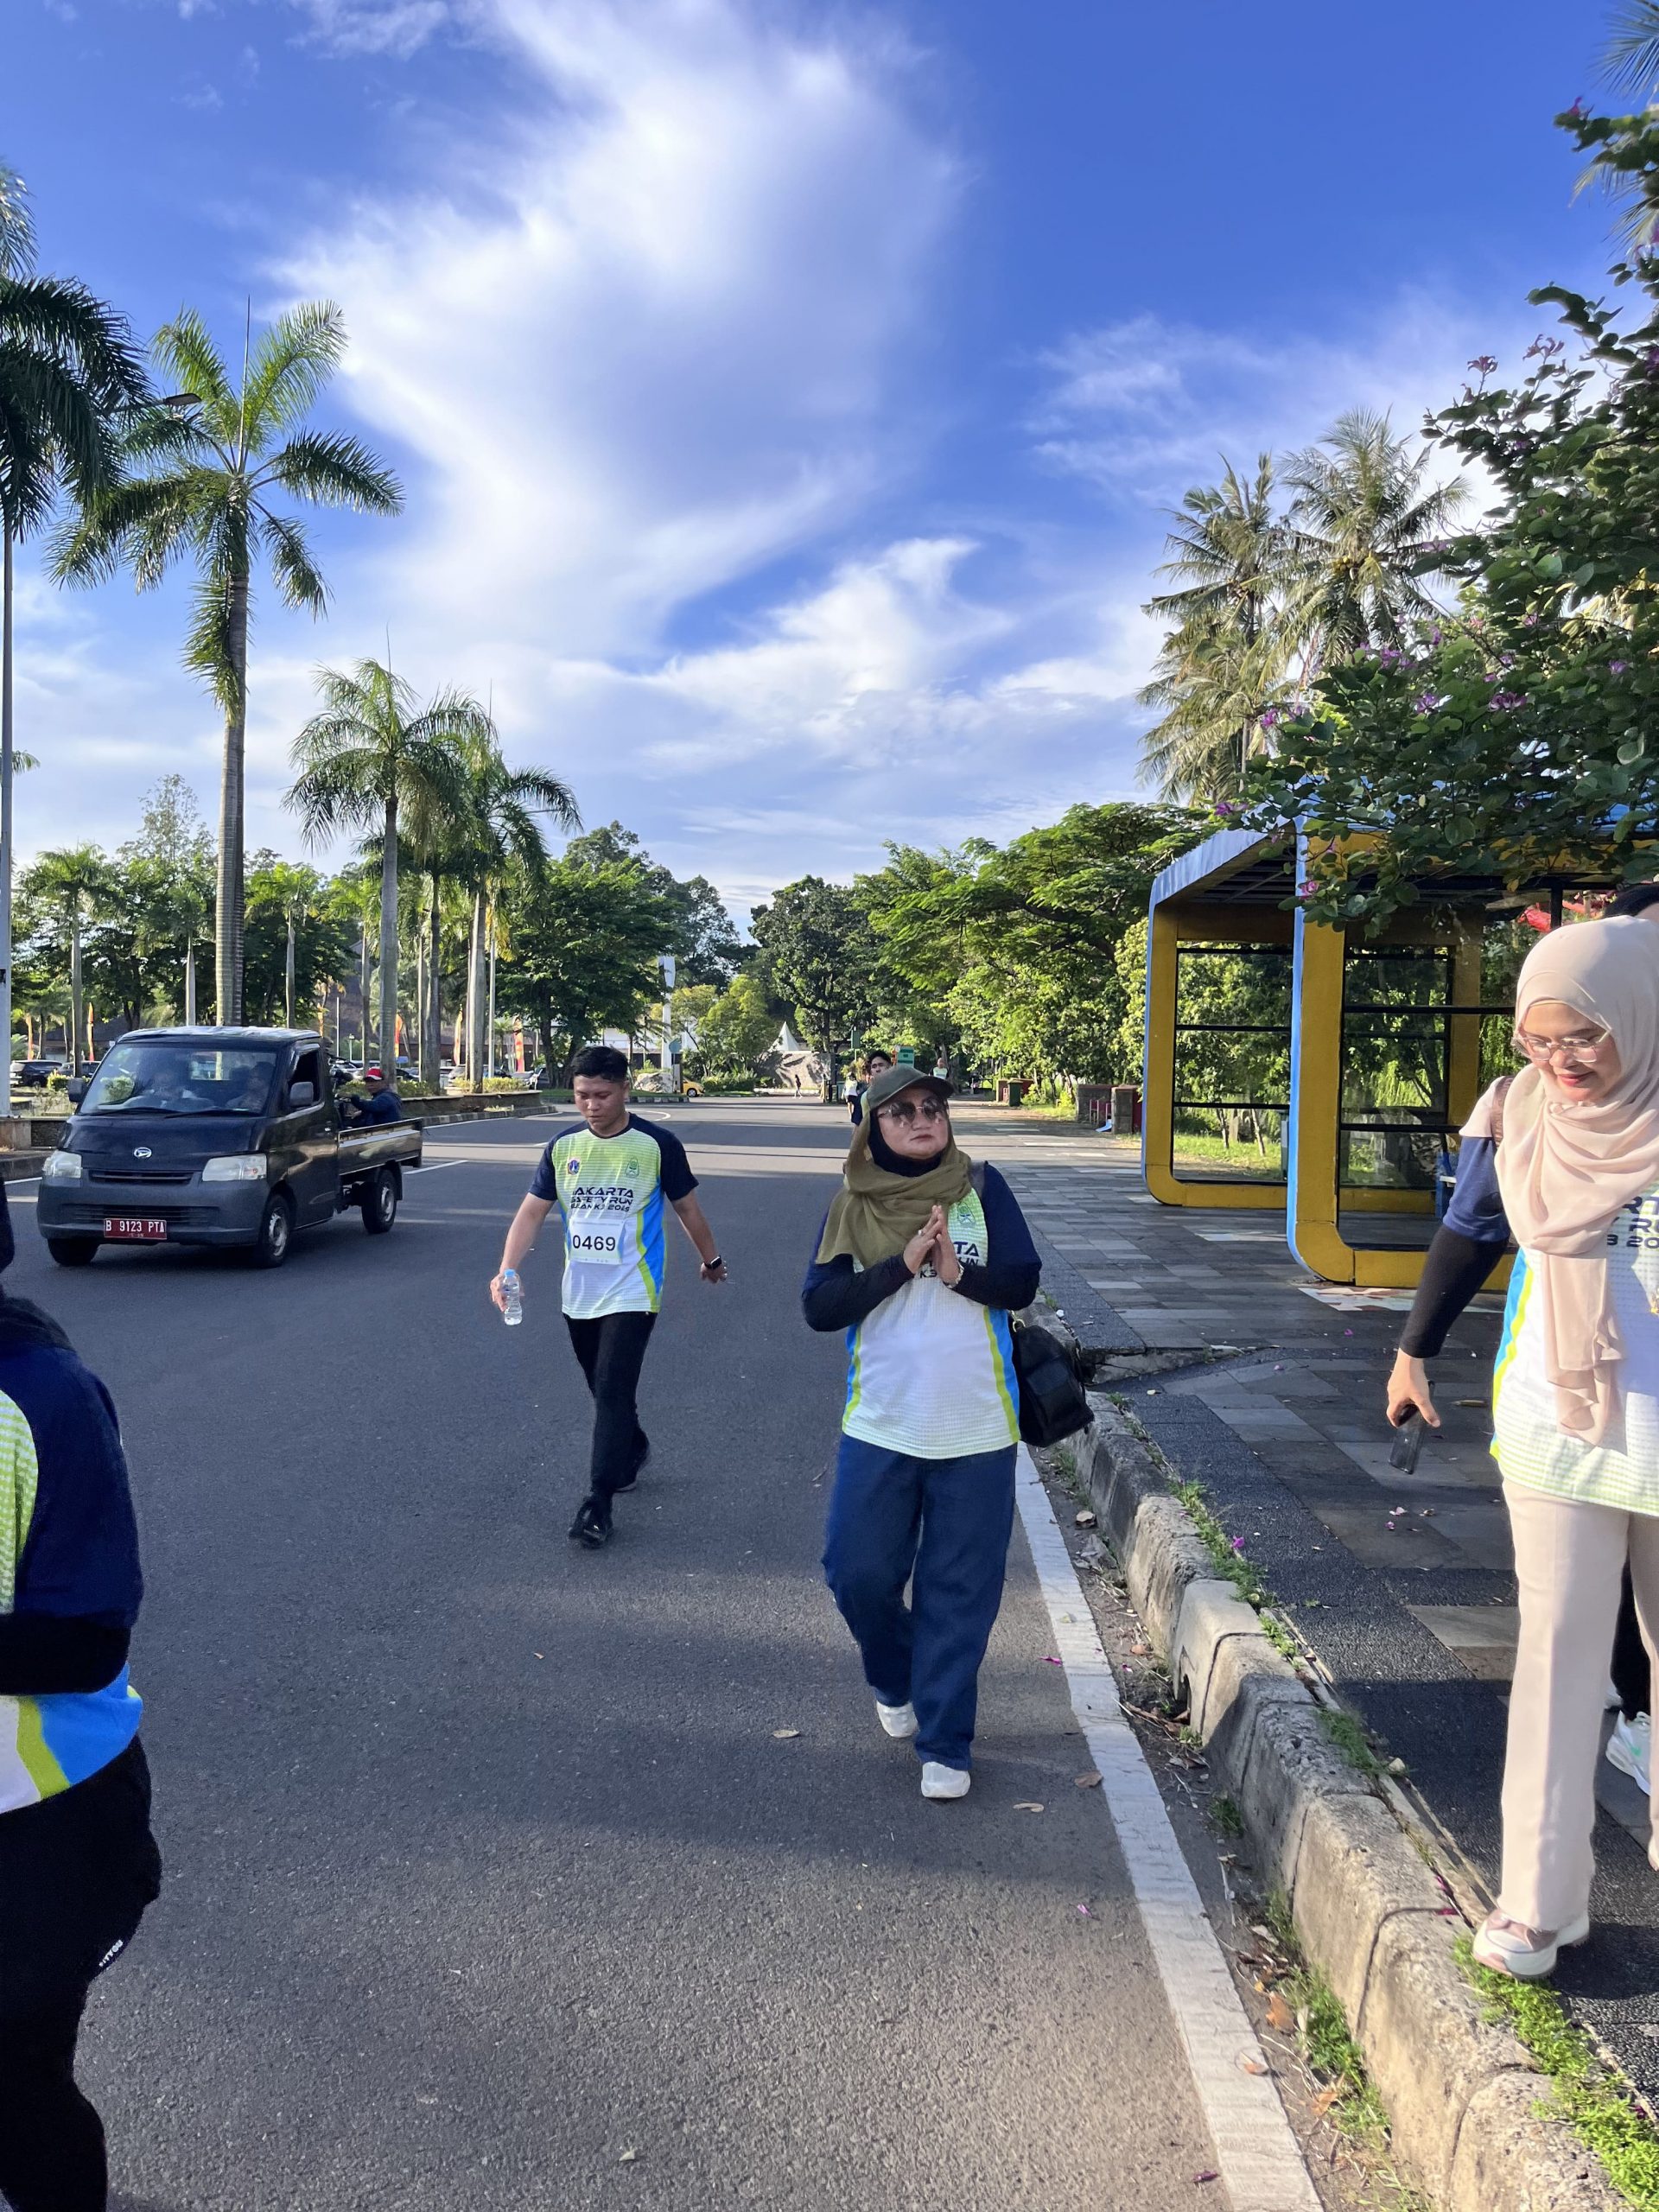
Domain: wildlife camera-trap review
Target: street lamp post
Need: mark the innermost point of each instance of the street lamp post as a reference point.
(671, 1078)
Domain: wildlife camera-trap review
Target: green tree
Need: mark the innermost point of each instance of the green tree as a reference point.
(296, 940)
(498, 841)
(737, 1034)
(373, 759)
(200, 482)
(1514, 739)
(585, 952)
(821, 957)
(69, 373)
(1367, 519)
(702, 937)
(167, 877)
(65, 889)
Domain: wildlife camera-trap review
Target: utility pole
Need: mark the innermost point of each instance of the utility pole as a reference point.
(671, 1078)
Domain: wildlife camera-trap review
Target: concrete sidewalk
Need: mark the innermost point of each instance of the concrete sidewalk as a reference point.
(1266, 1386)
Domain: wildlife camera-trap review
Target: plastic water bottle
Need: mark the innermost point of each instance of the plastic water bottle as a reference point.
(513, 1289)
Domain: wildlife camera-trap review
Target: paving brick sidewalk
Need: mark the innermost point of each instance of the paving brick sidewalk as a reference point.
(1269, 1392)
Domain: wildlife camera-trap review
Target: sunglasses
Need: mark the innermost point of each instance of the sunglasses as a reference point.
(1584, 1052)
(931, 1109)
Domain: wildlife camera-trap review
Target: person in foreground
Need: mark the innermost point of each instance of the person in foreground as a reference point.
(77, 1863)
(1567, 1156)
(610, 1177)
(921, 1259)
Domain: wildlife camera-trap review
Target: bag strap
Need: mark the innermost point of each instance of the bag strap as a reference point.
(1500, 1091)
(976, 1177)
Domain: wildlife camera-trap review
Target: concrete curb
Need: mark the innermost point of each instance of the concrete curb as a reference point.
(1461, 2090)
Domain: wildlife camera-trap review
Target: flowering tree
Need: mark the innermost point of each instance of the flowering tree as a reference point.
(1515, 739)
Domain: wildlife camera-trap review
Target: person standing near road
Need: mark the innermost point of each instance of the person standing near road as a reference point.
(1566, 1154)
(77, 1863)
(876, 1064)
(921, 1259)
(610, 1179)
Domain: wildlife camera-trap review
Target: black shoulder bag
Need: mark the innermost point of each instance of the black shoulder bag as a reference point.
(1048, 1371)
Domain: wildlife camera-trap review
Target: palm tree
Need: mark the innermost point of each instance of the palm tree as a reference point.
(70, 886)
(1631, 59)
(203, 484)
(373, 759)
(1225, 663)
(67, 370)
(1365, 518)
(498, 830)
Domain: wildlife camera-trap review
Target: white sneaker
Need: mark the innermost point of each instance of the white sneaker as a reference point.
(1524, 1954)
(945, 1782)
(898, 1720)
(1629, 1749)
(1611, 1699)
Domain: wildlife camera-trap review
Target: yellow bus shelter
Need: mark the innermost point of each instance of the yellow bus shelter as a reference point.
(1311, 1072)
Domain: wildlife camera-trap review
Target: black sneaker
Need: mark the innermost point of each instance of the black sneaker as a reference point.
(592, 1525)
(638, 1469)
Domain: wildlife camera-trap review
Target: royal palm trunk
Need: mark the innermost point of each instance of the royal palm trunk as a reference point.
(229, 889)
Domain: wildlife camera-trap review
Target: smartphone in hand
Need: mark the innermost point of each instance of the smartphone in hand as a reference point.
(1407, 1443)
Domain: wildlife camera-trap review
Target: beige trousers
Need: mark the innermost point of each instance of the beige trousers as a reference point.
(1568, 1561)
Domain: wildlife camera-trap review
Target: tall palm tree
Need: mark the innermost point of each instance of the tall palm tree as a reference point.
(1631, 59)
(67, 370)
(375, 759)
(1365, 516)
(201, 483)
(69, 886)
(1224, 661)
(497, 831)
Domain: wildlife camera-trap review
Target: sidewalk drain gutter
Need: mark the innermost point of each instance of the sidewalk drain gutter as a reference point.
(1461, 2091)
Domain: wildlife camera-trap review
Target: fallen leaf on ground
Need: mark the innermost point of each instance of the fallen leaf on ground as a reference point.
(628, 2158)
(1248, 2065)
(1085, 1520)
(1084, 1910)
(1139, 1651)
(1051, 1661)
(1208, 2174)
(784, 1734)
(1090, 1780)
(1280, 2016)
(1029, 1805)
(1328, 2096)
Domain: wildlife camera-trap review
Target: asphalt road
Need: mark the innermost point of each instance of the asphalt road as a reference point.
(485, 1867)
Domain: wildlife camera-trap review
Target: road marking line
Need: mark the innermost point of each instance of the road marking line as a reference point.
(1260, 2163)
(433, 1167)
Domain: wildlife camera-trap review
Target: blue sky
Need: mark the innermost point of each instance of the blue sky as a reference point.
(788, 396)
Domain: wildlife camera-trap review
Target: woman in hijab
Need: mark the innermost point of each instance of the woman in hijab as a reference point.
(1573, 1142)
(921, 1258)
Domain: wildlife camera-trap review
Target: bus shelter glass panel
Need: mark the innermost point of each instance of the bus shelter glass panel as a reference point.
(1392, 1124)
(1232, 1063)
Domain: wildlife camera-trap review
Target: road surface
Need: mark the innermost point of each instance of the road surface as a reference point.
(492, 1884)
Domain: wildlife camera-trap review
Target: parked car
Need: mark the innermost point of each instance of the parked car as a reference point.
(34, 1075)
(215, 1136)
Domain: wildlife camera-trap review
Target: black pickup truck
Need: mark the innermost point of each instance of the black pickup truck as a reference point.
(215, 1136)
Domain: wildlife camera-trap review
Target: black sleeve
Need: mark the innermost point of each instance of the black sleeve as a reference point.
(1009, 1279)
(837, 1295)
(44, 1655)
(1454, 1267)
(673, 1168)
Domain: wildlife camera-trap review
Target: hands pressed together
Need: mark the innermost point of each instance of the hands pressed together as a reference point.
(931, 1245)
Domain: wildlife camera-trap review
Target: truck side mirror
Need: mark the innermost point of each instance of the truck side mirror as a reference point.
(76, 1089)
(302, 1094)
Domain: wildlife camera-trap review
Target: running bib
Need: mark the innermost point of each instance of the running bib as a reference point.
(598, 1221)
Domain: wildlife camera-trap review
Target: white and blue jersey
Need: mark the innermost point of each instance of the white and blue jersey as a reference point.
(929, 1370)
(611, 1192)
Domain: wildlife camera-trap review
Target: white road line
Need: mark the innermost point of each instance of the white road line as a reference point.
(1260, 2162)
(433, 1167)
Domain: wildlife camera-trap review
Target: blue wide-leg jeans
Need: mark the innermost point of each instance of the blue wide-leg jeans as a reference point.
(947, 1521)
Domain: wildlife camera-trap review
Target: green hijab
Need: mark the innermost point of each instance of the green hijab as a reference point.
(875, 1213)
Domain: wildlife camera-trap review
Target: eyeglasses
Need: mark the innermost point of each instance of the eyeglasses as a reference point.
(1584, 1051)
(931, 1109)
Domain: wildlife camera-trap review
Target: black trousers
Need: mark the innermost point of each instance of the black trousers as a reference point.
(1631, 1673)
(76, 1874)
(612, 1351)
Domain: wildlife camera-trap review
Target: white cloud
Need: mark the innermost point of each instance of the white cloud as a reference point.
(398, 28)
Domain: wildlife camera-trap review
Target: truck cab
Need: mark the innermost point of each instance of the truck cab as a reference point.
(215, 1137)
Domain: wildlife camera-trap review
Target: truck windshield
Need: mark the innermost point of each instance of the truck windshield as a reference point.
(139, 1077)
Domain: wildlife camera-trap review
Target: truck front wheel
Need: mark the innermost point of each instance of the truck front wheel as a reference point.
(276, 1232)
(380, 1205)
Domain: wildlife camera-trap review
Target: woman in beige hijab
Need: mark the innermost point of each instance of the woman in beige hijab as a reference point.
(1575, 1397)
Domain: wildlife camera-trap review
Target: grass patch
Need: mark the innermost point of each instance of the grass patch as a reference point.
(1226, 1815)
(1350, 2099)
(1281, 1639)
(1588, 2093)
(1350, 1740)
(1228, 1551)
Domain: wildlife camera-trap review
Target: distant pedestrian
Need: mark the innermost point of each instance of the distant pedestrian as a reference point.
(1567, 1155)
(874, 1065)
(77, 1863)
(610, 1177)
(921, 1259)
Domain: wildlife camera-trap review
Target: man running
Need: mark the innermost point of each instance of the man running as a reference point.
(610, 1179)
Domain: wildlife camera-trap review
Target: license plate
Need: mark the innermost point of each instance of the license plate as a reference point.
(135, 1229)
